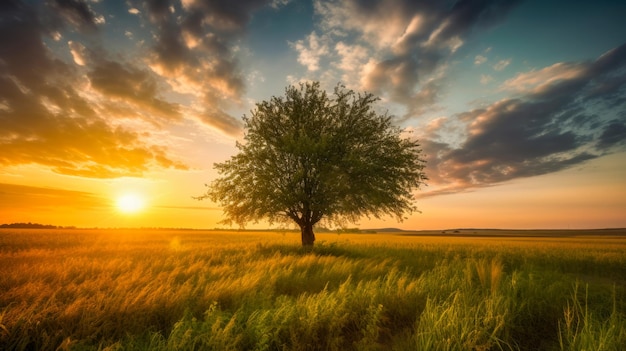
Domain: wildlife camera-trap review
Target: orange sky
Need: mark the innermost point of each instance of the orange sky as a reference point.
(518, 105)
(589, 196)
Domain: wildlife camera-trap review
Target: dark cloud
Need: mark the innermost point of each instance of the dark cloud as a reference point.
(76, 12)
(194, 46)
(48, 117)
(226, 15)
(24, 56)
(220, 120)
(613, 134)
(546, 129)
(158, 9)
(170, 51)
(465, 15)
(132, 85)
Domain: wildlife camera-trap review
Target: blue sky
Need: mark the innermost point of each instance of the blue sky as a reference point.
(94, 94)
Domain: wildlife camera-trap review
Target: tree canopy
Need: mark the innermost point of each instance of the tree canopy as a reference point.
(312, 156)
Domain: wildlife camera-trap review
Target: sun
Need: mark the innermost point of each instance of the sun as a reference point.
(130, 203)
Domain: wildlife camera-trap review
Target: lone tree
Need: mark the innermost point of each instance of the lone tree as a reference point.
(310, 156)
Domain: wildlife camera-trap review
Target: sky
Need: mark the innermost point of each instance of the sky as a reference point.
(519, 106)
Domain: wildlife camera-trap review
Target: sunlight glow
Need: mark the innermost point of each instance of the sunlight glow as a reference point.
(130, 203)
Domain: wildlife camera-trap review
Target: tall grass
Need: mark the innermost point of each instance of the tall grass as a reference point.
(583, 329)
(187, 290)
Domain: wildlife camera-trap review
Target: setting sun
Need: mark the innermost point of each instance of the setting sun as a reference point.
(130, 203)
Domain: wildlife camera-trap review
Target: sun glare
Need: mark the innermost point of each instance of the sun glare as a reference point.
(130, 203)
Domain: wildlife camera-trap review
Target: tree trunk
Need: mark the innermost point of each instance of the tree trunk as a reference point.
(308, 238)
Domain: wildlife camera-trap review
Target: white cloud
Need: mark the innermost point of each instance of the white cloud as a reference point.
(485, 79)
(278, 3)
(56, 35)
(502, 64)
(291, 79)
(454, 43)
(255, 77)
(352, 56)
(78, 52)
(479, 60)
(311, 50)
(382, 27)
(539, 80)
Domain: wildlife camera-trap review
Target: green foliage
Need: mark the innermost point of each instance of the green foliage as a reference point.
(310, 156)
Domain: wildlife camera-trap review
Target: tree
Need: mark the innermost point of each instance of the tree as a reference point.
(310, 156)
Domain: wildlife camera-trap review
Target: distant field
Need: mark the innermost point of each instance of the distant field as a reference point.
(613, 232)
(209, 290)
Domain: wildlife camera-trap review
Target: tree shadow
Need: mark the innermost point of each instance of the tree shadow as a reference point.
(321, 248)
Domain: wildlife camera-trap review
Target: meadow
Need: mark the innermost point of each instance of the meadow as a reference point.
(210, 290)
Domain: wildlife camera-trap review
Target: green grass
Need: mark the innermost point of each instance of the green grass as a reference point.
(203, 290)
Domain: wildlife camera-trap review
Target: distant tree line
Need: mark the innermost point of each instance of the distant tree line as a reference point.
(30, 225)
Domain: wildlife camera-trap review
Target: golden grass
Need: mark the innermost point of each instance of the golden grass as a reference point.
(167, 289)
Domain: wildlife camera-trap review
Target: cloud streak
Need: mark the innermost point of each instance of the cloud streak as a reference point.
(26, 198)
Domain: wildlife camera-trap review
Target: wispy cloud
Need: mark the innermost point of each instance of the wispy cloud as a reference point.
(202, 208)
(479, 60)
(78, 13)
(18, 197)
(538, 80)
(485, 79)
(502, 64)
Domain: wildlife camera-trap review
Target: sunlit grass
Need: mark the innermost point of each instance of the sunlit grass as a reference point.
(185, 290)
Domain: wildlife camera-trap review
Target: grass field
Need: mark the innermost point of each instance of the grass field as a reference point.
(209, 290)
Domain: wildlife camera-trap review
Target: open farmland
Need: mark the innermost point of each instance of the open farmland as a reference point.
(199, 290)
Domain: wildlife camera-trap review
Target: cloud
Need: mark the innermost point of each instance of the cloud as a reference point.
(51, 115)
(479, 60)
(548, 127)
(26, 198)
(351, 60)
(538, 80)
(409, 44)
(202, 208)
(502, 64)
(193, 50)
(72, 102)
(310, 51)
(485, 79)
(78, 13)
(219, 119)
(78, 52)
(614, 134)
(125, 83)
